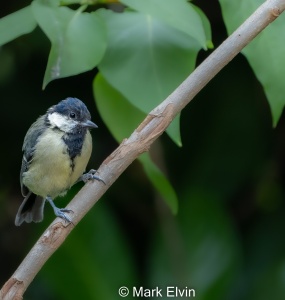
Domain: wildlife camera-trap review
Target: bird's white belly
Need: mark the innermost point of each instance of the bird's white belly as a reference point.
(50, 172)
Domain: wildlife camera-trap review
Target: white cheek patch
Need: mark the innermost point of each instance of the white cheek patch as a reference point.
(62, 122)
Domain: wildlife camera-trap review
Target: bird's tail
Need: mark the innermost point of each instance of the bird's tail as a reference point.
(31, 210)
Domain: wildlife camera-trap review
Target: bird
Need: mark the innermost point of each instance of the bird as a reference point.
(56, 150)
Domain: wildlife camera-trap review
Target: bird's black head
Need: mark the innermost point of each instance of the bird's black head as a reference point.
(70, 115)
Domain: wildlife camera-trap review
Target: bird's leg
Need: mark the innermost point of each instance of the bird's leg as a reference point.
(59, 212)
(90, 176)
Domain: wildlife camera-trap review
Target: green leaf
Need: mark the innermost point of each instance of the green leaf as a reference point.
(173, 130)
(69, 2)
(78, 39)
(179, 14)
(122, 118)
(265, 53)
(16, 24)
(160, 182)
(146, 59)
(206, 25)
(81, 2)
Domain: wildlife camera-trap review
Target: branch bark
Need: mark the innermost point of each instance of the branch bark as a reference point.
(141, 139)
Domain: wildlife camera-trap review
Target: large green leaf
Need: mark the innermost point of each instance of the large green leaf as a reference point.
(146, 59)
(16, 24)
(265, 53)
(78, 39)
(179, 14)
(122, 118)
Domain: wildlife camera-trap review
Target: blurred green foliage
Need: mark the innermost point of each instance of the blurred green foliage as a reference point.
(267, 48)
(226, 240)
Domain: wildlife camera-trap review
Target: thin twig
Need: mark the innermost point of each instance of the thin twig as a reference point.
(140, 141)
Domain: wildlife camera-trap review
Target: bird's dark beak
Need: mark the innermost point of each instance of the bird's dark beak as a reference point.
(89, 124)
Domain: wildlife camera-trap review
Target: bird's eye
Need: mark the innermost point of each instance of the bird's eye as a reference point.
(72, 115)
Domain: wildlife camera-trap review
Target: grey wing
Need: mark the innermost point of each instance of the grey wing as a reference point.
(24, 168)
(30, 141)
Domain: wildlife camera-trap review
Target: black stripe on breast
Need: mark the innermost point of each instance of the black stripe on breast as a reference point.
(74, 143)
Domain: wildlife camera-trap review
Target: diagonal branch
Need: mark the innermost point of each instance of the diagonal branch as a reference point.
(140, 141)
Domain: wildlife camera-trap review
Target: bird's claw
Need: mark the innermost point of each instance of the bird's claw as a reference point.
(60, 212)
(91, 176)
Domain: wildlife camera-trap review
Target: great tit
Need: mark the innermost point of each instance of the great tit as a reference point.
(57, 148)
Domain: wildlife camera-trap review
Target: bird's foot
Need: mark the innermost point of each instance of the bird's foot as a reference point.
(91, 176)
(60, 212)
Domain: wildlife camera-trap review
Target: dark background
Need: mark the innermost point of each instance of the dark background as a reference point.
(230, 153)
